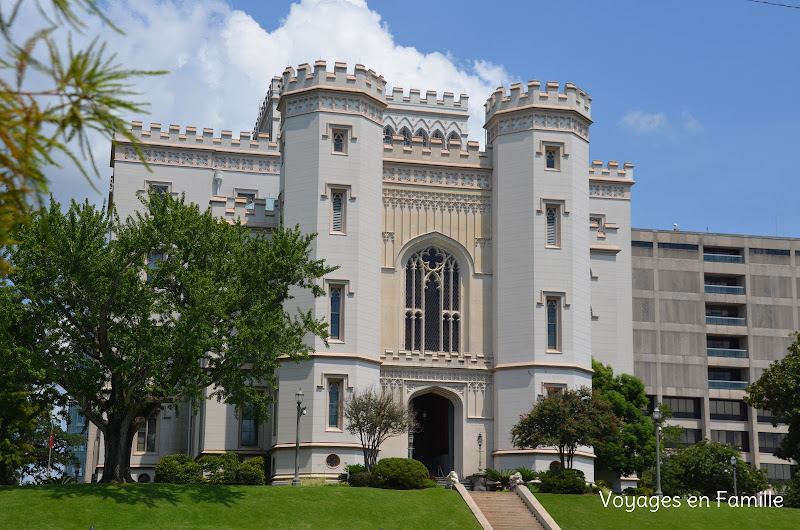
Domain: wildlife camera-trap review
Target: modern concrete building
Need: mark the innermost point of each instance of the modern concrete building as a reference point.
(711, 312)
(470, 283)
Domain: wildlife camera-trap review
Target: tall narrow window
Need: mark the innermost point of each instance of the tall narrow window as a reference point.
(553, 324)
(388, 132)
(553, 234)
(336, 312)
(146, 436)
(406, 136)
(551, 154)
(337, 211)
(437, 135)
(249, 433)
(334, 403)
(433, 293)
(421, 134)
(158, 191)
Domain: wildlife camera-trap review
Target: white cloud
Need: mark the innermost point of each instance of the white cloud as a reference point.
(221, 60)
(644, 122)
(690, 123)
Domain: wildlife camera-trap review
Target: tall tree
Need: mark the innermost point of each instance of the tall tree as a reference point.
(376, 417)
(71, 93)
(636, 447)
(124, 338)
(567, 420)
(778, 390)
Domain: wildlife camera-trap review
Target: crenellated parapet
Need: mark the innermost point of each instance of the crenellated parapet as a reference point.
(549, 110)
(201, 149)
(414, 97)
(573, 98)
(268, 120)
(610, 181)
(319, 88)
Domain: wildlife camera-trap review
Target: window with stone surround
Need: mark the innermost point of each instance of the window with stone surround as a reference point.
(145, 441)
(388, 132)
(335, 387)
(552, 157)
(338, 208)
(553, 307)
(422, 134)
(553, 225)
(433, 306)
(336, 311)
(406, 134)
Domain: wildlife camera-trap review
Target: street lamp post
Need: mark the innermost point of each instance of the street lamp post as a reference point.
(300, 411)
(410, 445)
(480, 445)
(735, 489)
(76, 467)
(657, 417)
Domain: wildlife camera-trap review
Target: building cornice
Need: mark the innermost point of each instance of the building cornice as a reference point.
(542, 364)
(542, 451)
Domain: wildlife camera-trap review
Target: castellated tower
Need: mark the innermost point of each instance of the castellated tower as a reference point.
(331, 141)
(539, 146)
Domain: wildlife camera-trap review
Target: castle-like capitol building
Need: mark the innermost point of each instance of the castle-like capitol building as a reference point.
(470, 282)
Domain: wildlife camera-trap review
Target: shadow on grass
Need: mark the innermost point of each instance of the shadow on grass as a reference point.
(149, 495)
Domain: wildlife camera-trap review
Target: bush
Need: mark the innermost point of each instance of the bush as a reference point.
(563, 481)
(503, 476)
(527, 474)
(639, 492)
(400, 474)
(251, 472)
(603, 484)
(220, 469)
(178, 469)
(791, 493)
(350, 470)
(362, 479)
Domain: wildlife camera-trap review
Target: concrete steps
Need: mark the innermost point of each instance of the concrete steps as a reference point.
(505, 510)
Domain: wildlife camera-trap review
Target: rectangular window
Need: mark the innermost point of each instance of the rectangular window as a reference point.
(249, 198)
(642, 244)
(152, 263)
(677, 246)
(769, 442)
(779, 472)
(735, 438)
(553, 306)
(335, 403)
(339, 141)
(553, 222)
(765, 416)
(335, 320)
(338, 206)
(158, 191)
(683, 407)
(769, 252)
(551, 389)
(691, 437)
(249, 429)
(721, 409)
(146, 436)
(552, 155)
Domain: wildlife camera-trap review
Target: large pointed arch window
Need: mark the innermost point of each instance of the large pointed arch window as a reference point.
(433, 307)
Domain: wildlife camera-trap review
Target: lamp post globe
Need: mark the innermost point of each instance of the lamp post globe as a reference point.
(657, 417)
(300, 411)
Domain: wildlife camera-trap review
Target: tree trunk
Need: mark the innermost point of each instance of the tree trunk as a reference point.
(118, 443)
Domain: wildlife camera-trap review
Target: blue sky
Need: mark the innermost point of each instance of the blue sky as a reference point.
(698, 95)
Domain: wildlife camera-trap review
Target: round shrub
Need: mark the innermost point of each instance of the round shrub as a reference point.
(349, 471)
(362, 479)
(562, 481)
(178, 469)
(251, 471)
(400, 474)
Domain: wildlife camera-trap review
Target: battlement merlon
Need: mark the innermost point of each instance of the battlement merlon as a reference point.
(306, 78)
(573, 98)
(414, 97)
(437, 153)
(612, 172)
(205, 139)
(268, 108)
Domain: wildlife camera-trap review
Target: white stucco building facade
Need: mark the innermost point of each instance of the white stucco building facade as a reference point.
(470, 281)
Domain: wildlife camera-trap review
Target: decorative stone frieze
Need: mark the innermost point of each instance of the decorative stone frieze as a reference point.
(538, 120)
(437, 177)
(436, 201)
(197, 158)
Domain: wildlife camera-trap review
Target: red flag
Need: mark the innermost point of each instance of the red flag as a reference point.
(51, 438)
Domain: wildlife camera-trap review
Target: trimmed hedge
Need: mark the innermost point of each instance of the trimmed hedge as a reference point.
(400, 474)
(210, 469)
(562, 481)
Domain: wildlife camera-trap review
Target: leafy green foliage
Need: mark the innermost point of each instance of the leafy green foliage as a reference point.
(704, 468)
(85, 92)
(220, 469)
(123, 339)
(375, 417)
(178, 469)
(400, 474)
(360, 479)
(635, 449)
(567, 420)
(778, 390)
(251, 472)
(565, 481)
(503, 476)
(791, 494)
(527, 474)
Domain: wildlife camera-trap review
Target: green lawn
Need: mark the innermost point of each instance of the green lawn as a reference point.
(574, 512)
(229, 507)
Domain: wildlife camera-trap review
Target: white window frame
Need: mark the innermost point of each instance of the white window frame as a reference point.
(333, 192)
(557, 388)
(258, 432)
(146, 426)
(560, 152)
(557, 300)
(557, 209)
(335, 134)
(342, 287)
(342, 382)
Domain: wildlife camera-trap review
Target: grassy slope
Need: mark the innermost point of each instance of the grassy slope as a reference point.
(169, 506)
(575, 512)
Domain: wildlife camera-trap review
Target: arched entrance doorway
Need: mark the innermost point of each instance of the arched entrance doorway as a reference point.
(434, 441)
